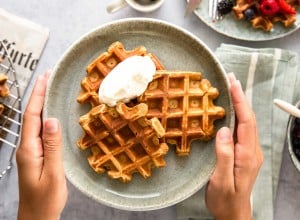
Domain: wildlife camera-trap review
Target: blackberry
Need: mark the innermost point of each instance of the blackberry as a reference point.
(297, 121)
(225, 6)
(295, 135)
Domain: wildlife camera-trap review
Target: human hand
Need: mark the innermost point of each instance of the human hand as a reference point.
(42, 183)
(229, 188)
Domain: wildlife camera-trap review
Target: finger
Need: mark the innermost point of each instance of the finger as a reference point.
(223, 173)
(231, 77)
(246, 125)
(29, 153)
(32, 115)
(52, 143)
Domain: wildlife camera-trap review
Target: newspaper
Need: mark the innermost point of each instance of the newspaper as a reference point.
(21, 45)
(24, 41)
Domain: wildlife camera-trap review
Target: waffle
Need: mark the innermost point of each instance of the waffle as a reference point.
(102, 65)
(4, 90)
(1, 109)
(261, 21)
(183, 102)
(123, 141)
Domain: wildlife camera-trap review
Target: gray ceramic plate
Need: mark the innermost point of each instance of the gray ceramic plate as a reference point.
(177, 49)
(241, 29)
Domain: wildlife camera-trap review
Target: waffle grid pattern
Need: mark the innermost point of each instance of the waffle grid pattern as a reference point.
(183, 102)
(122, 141)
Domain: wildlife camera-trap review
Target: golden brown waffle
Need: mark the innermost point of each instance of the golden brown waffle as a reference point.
(102, 65)
(1, 109)
(123, 141)
(4, 90)
(261, 21)
(183, 102)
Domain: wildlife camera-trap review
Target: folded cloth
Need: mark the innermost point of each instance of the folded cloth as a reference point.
(265, 74)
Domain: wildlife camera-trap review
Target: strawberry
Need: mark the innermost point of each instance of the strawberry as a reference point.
(285, 8)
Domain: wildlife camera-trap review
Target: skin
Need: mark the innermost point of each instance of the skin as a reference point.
(42, 183)
(238, 163)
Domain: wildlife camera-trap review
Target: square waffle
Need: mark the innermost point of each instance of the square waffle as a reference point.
(123, 141)
(102, 65)
(4, 89)
(1, 109)
(183, 102)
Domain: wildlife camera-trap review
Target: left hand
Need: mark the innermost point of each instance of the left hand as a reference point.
(42, 183)
(238, 163)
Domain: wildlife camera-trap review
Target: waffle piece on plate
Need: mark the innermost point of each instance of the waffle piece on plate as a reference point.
(183, 102)
(4, 89)
(264, 13)
(123, 141)
(1, 109)
(102, 65)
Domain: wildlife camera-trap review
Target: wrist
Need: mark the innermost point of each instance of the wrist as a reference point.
(240, 212)
(24, 214)
(235, 216)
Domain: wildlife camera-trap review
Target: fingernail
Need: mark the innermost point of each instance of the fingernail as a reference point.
(238, 83)
(224, 135)
(48, 73)
(231, 76)
(51, 126)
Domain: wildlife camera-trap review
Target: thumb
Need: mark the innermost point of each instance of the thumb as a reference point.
(225, 158)
(52, 143)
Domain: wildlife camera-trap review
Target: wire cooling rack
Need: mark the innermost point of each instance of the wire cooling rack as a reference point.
(10, 119)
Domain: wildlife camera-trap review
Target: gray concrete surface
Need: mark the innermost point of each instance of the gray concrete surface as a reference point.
(67, 21)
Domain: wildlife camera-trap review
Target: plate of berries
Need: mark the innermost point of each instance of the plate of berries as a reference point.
(252, 20)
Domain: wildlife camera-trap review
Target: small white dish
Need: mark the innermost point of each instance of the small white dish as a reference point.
(139, 5)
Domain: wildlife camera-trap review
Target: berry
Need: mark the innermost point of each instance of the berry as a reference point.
(269, 7)
(225, 6)
(285, 8)
(296, 142)
(249, 14)
(297, 121)
(295, 131)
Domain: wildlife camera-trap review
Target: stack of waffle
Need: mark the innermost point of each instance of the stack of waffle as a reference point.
(176, 108)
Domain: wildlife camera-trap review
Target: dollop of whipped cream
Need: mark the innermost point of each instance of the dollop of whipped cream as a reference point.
(128, 80)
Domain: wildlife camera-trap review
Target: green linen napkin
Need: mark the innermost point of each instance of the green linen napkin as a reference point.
(265, 74)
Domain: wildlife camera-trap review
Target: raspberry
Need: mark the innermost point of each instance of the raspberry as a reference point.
(285, 8)
(269, 7)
